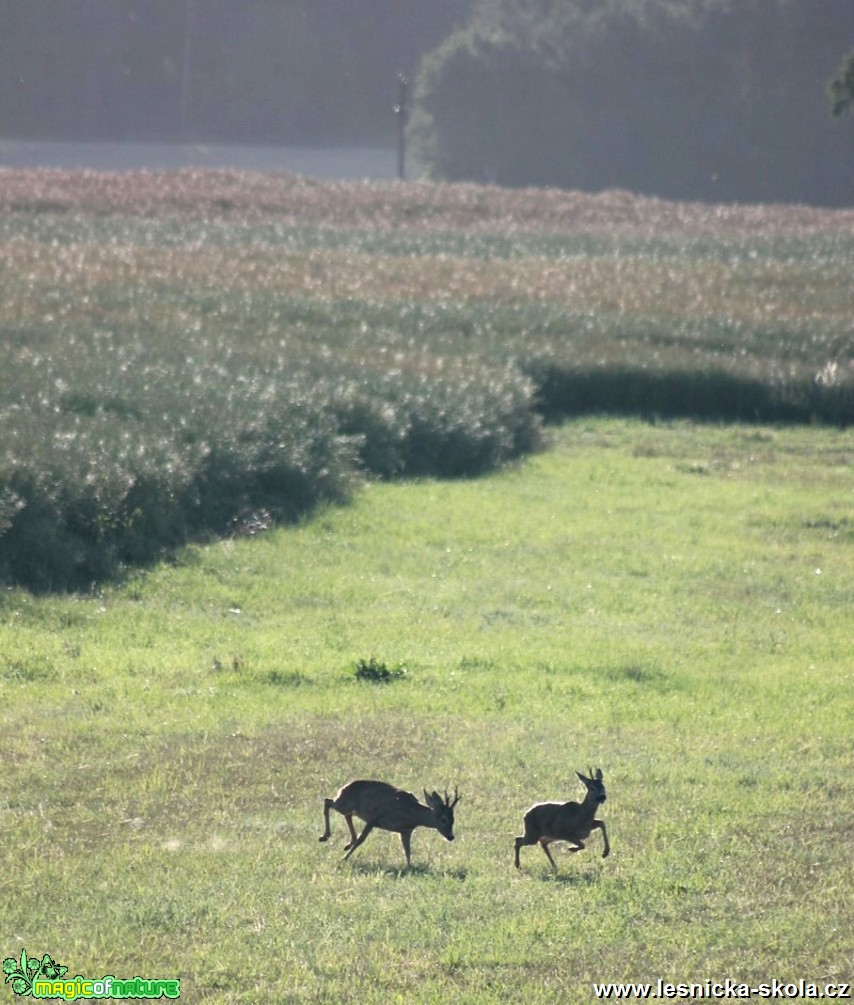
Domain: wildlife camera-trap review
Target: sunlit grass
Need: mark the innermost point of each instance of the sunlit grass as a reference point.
(668, 601)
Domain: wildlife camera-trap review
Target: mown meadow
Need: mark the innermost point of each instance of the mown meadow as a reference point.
(260, 434)
(670, 602)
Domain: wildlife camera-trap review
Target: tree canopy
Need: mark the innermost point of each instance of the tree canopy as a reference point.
(841, 88)
(696, 99)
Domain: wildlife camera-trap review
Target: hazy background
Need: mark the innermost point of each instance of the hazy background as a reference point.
(707, 99)
(244, 71)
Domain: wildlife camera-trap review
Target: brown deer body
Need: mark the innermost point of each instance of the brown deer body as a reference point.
(572, 822)
(382, 805)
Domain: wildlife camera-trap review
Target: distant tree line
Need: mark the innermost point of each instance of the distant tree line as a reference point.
(281, 71)
(727, 100)
(690, 99)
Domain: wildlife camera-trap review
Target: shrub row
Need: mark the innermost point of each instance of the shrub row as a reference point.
(89, 486)
(717, 394)
(87, 489)
(117, 466)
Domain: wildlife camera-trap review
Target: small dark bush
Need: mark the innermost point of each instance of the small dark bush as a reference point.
(375, 672)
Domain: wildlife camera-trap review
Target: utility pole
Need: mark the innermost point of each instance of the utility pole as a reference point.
(186, 68)
(401, 110)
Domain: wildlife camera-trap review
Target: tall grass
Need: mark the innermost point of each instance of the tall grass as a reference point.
(206, 352)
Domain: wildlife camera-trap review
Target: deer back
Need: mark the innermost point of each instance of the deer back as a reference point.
(394, 809)
(572, 820)
(560, 821)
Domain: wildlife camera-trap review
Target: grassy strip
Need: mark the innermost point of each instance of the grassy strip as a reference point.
(670, 602)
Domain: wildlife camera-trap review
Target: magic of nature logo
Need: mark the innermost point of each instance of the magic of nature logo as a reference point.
(45, 978)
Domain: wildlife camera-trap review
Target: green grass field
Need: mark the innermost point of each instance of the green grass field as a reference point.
(669, 601)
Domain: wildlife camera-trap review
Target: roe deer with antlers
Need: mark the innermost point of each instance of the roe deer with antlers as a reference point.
(572, 822)
(382, 805)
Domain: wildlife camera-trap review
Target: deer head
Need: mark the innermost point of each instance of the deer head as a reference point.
(443, 810)
(594, 784)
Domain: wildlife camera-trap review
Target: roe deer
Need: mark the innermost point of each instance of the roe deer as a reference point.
(546, 822)
(382, 805)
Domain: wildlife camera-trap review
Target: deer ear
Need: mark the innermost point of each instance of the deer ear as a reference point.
(433, 799)
(583, 779)
(598, 774)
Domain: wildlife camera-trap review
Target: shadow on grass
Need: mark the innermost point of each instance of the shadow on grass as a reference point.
(406, 871)
(576, 879)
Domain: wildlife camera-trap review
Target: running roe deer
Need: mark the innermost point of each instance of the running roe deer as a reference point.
(546, 822)
(382, 805)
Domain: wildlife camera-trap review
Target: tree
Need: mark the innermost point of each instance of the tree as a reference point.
(690, 99)
(841, 88)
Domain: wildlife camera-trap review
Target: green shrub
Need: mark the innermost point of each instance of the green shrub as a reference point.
(375, 672)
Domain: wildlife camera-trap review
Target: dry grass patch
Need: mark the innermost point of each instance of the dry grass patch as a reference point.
(302, 201)
(608, 284)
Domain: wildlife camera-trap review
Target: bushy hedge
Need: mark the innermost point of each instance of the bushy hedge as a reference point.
(86, 491)
(85, 495)
(461, 421)
(724, 394)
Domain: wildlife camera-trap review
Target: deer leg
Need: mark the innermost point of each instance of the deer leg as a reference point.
(544, 844)
(520, 843)
(327, 806)
(357, 841)
(349, 818)
(405, 837)
(577, 846)
(598, 825)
